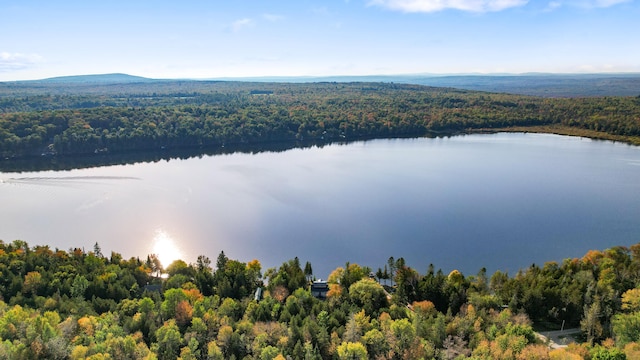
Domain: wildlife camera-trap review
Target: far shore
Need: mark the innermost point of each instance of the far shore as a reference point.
(565, 130)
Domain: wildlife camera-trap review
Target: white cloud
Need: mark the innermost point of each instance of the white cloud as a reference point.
(553, 5)
(320, 10)
(17, 61)
(426, 6)
(607, 3)
(241, 24)
(587, 4)
(272, 17)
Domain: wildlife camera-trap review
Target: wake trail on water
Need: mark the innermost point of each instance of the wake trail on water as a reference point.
(63, 180)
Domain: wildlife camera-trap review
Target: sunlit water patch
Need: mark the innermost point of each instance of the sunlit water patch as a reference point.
(165, 248)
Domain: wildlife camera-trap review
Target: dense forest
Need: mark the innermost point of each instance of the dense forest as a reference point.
(76, 304)
(76, 119)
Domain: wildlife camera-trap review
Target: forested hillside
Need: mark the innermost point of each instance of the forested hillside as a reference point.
(75, 304)
(547, 85)
(77, 119)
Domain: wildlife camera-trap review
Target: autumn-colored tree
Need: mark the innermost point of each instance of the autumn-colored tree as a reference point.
(183, 314)
(631, 300)
(562, 354)
(32, 281)
(534, 352)
(423, 308)
(368, 295)
(632, 350)
(171, 299)
(352, 351)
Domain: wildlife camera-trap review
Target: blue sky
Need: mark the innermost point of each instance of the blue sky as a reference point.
(243, 38)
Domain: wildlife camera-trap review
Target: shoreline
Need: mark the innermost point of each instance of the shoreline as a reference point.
(564, 131)
(79, 161)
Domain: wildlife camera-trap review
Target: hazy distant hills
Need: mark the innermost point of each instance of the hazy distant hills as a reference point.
(542, 85)
(546, 85)
(96, 79)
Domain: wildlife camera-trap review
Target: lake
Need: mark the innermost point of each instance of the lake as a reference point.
(501, 201)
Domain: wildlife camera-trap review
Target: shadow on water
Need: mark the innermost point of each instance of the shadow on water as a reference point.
(57, 162)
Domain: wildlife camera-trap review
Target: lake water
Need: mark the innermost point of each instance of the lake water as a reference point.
(502, 201)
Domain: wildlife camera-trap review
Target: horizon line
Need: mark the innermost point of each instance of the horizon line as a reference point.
(223, 78)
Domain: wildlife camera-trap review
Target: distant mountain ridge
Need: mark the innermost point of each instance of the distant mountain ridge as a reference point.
(115, 78)
(535, 84)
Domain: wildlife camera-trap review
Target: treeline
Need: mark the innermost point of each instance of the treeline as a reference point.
(75, 305)
(244, 113)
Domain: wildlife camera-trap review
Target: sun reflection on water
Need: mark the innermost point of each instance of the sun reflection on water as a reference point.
(164, 246)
